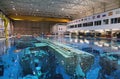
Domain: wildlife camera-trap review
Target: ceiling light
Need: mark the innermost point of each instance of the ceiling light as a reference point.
(75, 1)
(37, 10)
(11, 2)
(62, 9)
(52, 2)
(13, 8)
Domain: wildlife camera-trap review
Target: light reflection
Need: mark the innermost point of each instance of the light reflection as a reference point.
(114, 47)
(81, 41)
(106, 44)
(76, 40)
(14, 8)
(71, 40)
(98, 44)
(86, 41)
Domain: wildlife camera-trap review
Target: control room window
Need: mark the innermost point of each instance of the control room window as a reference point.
(75, 26)
(106, 21)
(118, 19)
(84, 24)
(72, 26)
(90, 24)
(79, 25)
(97, 23)
(114, 20)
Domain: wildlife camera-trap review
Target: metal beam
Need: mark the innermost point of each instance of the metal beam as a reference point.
(35, 18)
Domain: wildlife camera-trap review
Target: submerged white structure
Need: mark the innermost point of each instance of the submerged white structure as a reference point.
(59, 29)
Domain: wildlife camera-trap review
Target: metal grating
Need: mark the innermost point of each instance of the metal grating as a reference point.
(56, 8)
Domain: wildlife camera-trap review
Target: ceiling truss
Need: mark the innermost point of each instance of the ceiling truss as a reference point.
(71, 9)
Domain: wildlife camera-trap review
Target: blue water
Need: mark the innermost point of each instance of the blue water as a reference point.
(13, 69)
(61, 70)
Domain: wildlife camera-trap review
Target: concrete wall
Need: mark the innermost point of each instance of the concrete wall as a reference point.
(27, 27)
(59, 28)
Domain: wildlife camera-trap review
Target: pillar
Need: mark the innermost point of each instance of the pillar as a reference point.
(5, 25)
(6, 28)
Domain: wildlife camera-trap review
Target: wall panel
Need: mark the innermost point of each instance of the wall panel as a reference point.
(27, 27)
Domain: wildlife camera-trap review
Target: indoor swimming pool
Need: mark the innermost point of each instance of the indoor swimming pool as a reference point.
(59, 58)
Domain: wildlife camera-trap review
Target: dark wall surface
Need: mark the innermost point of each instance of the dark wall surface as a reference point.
(28, 27)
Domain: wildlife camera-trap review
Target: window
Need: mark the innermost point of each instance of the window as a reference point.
(59, 28)
(79, 25)
(119, 20)
(84, 24)
(112, 21)
(72, 26)
(97, 23)
(115, 20)
(75, 26)
(90, 24)
(106, 21)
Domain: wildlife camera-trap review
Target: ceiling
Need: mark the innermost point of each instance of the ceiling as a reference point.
(71, 9)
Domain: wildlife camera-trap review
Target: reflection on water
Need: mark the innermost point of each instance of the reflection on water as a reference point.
(100, 48)
(105, 44)
(22, 60)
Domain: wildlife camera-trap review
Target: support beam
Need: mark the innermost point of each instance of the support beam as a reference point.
(38, 19)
